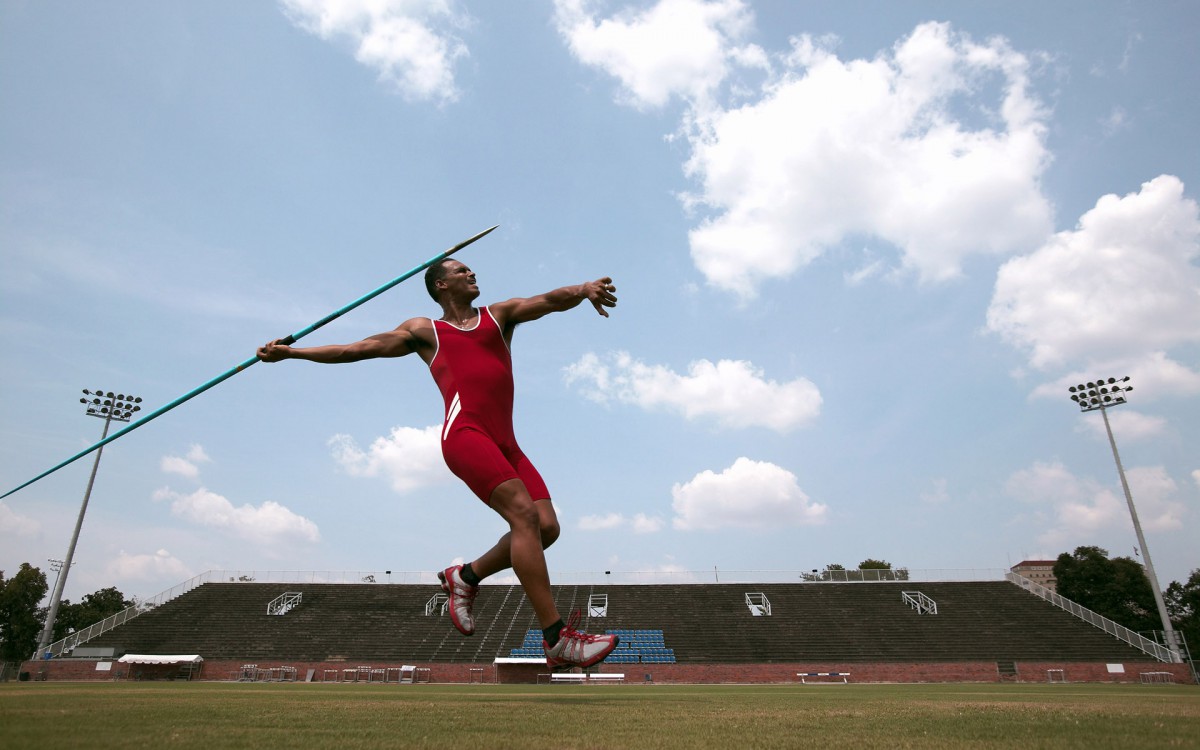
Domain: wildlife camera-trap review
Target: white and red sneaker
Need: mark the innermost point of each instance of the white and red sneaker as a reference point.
(576, 649)
(462, 598)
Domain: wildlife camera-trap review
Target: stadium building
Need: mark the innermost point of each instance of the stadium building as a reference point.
(869, 626)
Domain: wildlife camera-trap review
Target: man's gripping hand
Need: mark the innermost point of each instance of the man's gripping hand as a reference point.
(273, 351)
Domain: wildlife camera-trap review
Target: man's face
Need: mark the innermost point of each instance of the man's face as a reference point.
(459, 280)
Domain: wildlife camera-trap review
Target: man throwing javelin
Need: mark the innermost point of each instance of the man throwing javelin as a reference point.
(467, 351)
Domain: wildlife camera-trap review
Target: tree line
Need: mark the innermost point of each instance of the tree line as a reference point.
(868, 570)
(22, 619)
(1119, 589)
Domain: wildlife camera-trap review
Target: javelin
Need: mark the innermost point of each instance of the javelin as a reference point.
(235, 370)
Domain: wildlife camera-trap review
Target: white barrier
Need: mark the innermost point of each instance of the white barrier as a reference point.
(805, 675)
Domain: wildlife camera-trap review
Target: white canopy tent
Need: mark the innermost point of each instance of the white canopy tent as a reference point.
(163, 666)
(160, 659)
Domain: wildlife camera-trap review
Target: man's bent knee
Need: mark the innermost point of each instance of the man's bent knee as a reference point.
(550, 532)
(511, 500)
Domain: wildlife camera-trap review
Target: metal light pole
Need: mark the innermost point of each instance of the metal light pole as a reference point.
(1101, 395)
(56, 566)
(111, 408)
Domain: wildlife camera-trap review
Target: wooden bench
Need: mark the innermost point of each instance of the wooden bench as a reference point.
(805, 675)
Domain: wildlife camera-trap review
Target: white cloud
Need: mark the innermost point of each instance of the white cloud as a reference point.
(1123, 288)
(733, 392)
(877, 147)
(874, 267)
(639, 523)
(937, 494)
(1077, 509)
(16, 524)
(1196, 477)
(605, 522)
(1152, 373)
(145, 567)
(1127, 425)
(680, 48)
(1153, 493)
(186, 467)
(410, 43)
(409, 458)
(936, 147)
(197, 455)
(749, 495)
(268, 524)
(1116, 121)
(643, 524)
(180, 466)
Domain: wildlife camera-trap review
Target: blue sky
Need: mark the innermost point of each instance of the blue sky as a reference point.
(861, 251)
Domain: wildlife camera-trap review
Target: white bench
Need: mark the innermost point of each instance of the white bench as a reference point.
(805, 675)
(580, 678)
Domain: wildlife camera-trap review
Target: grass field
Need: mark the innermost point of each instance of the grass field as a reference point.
(239, 715)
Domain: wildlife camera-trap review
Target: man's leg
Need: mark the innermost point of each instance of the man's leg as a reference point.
(522, 547)
(499, 557)
(565, 646)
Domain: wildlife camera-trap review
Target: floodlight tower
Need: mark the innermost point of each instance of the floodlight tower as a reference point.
(1102, 394)
(111, 408)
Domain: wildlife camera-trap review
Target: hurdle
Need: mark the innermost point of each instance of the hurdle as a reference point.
(804, 676)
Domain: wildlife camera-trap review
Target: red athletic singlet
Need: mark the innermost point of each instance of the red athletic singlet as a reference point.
(473, 370)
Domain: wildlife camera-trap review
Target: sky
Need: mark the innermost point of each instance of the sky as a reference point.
(861, 249)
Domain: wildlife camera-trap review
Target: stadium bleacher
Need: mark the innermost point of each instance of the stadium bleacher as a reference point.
(705, 623)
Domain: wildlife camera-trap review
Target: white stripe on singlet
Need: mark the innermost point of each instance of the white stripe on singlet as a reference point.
(455, 408)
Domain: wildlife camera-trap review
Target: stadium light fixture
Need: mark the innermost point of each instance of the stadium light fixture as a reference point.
(111, 407)
(1102, 394)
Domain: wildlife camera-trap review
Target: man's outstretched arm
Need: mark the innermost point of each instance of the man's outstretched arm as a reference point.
(398, 343)
(601, 293)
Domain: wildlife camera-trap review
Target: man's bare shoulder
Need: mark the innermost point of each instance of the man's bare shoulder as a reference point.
(418, 323)
(419, 328)
(503, 310)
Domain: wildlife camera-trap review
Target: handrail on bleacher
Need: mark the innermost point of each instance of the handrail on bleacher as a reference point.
(923, 604)
(1137, 640)
(284, 603)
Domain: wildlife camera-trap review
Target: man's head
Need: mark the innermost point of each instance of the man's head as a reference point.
(444, 275)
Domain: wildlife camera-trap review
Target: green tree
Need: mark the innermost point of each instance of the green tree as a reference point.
(1116, 588)
(834, 572)
(897, 574)
(21, 619)
(90, 610)
(1183, 604)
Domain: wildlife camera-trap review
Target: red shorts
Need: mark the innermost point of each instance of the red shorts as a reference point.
(477, 460)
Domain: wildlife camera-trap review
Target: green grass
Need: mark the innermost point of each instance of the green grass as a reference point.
(213, 715)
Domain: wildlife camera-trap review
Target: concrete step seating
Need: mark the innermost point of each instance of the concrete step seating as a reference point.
(834, 623)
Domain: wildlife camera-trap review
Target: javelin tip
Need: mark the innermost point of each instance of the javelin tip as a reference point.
(468, 241)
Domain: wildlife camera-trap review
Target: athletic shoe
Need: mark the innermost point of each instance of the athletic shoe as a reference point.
(576, 649)
(462, 597)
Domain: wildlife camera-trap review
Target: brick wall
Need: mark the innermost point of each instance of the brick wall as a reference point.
(85, 669)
